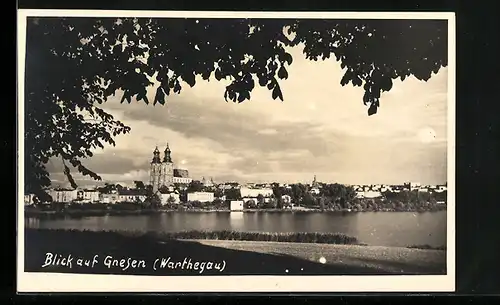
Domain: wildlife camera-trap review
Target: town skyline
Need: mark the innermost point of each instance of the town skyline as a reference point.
(320, 129)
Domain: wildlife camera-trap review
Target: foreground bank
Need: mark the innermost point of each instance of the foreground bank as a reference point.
(151, 254)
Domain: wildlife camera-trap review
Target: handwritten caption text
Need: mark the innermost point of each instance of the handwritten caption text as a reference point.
(110, 262)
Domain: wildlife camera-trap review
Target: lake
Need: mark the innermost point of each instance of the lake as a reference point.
(373, 228)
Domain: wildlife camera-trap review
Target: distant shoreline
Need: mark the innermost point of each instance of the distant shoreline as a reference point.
(34, 211)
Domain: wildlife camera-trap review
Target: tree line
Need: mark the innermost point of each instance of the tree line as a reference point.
(333, 197)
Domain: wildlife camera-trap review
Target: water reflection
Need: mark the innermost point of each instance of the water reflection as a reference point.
(237, 221)
(377, 228)
(154, 222)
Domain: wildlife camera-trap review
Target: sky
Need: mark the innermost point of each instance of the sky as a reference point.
(321, 128)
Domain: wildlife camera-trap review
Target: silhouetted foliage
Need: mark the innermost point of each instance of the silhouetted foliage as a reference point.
(220, 204)
(153, 201)
(339, 194)
(218, 193)
(170, 200)
(164, 189)
(74, 64)
(139, 185)
(308, 200)
(106, 188)
(298, 192)
(250, 204)
(195, 186)
(260, 200)
(196, 204)
(232, 194)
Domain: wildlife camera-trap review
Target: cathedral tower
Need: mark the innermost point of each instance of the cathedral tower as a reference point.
(155, 173)
(167, 168)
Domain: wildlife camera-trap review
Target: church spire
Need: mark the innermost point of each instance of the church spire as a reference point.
(315, 182)
(167, 157)
(156, 156)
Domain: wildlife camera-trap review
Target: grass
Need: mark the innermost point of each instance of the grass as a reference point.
(300, 237)
(426, 247)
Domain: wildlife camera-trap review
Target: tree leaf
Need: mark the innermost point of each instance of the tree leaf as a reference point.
(282, 73)
(346, 78)
(277, 93)
(218, 74)
(386, 83)
(125, 96)
(190, 79)
(356, 81)
(262, 81)
(160, 96)
(241, 97)
(373, 108)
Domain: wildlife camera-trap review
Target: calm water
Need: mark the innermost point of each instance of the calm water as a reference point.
(377, 228)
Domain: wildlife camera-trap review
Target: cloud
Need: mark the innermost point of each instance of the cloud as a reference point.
(232, 130)
(321, 128)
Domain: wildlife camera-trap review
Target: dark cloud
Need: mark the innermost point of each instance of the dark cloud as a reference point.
(120, 162)
(115, 164)
(234, 130)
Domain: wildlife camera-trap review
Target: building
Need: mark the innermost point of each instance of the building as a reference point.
(88, 196)
(440, 188)
(131, 195)
(181, 173)
(29, 199)
(385, 188)
(169, 197)
(64, 195)
(182, 180)
(287, 199)
(207, 182)
(110, 198)
(228, 186)
(315, 187)
(412, 186)
(162, 171)
(201, 196)
(368, 194)
(236, 205)
(254, 192)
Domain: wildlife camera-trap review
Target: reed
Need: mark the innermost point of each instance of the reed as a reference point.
(298, 237)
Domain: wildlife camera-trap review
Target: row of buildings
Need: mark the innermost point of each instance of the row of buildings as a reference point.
(63, 195)
(377, 190)
(165, 179)
(170, 195)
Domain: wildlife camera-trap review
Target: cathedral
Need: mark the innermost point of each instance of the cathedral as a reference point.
(162, 171)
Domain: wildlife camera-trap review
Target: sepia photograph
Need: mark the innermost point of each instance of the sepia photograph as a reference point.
(235, 151)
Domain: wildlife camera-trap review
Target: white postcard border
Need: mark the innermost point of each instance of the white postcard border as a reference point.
(53, 282)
